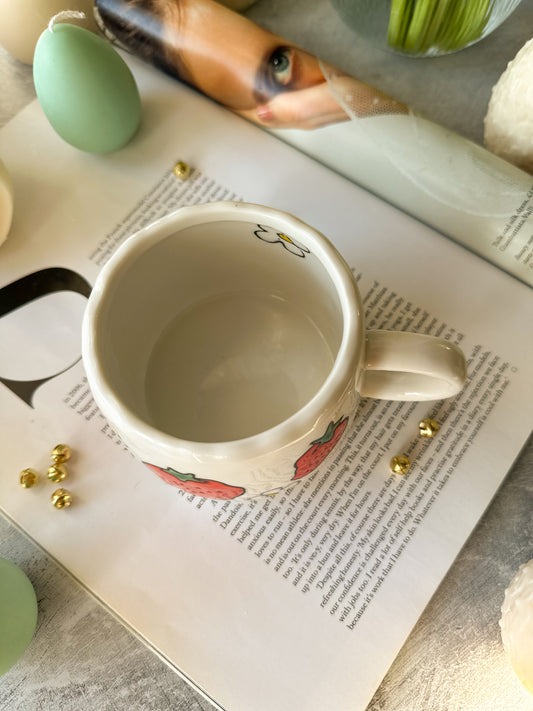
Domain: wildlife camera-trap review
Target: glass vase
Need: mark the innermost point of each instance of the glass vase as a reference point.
(424, 28)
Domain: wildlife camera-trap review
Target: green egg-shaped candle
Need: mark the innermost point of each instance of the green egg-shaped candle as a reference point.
(85, 88)
(18, 613)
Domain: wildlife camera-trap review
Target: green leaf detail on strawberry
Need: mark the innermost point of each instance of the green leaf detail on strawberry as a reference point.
(206, 488)
(319, 449)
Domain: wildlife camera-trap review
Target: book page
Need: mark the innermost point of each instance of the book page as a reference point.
(297, 601)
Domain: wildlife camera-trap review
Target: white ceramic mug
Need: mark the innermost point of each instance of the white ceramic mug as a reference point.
(226, 344)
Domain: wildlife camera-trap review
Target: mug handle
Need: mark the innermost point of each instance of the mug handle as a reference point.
(411, 366)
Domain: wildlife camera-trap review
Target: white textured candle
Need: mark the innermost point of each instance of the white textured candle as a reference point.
(23, 21)
(6, 202)
(517, 624)
(509, 119)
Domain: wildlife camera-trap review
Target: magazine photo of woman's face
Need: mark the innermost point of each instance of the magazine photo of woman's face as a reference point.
(221, 53)
(234, 61)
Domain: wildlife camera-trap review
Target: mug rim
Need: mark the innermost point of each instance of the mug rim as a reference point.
(343, 371)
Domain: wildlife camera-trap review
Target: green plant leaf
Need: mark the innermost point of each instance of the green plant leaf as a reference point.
(418, 26)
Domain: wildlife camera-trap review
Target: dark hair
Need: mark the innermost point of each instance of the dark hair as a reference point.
(138, 26)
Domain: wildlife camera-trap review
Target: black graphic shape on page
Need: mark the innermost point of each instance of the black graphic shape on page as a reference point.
(25, 290)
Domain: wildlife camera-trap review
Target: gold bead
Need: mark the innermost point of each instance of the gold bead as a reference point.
(61, 498)
(182, 170)
(57, 472)
(61, 453)
(28, 478)
(400, 464)
(428, 427)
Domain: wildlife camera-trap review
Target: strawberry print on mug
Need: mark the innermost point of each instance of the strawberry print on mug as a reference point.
(312, 458)
(206, 488)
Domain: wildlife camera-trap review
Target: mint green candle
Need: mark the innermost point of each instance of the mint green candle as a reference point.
(85, 88)
(18, 613)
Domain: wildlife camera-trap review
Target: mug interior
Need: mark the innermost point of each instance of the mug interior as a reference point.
(219, 330)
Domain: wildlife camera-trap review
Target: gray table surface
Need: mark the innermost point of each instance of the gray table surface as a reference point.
(83, 658)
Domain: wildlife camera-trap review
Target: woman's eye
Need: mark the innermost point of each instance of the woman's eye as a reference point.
(280, 64)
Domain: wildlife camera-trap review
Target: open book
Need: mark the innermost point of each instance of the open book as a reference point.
(300, 601)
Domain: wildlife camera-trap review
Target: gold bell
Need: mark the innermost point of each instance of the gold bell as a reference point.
(57, 472)
(182, 170)
(61, 453)
(428, 427)
(61, 498)
(400, 464)
(28, 478)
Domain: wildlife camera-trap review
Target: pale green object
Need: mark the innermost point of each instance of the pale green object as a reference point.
(18, 614)
(6, 202)
(85, 88)
(424, 28)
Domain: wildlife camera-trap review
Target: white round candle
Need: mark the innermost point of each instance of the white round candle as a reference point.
(517, 624)
(509, 120)
(6, 202)
(23, 21)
